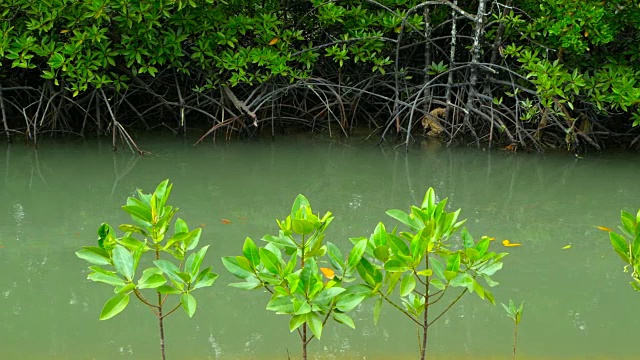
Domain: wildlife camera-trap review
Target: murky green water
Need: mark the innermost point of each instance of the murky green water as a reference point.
(578, 302)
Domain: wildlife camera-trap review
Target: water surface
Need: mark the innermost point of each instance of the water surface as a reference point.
(578, 301)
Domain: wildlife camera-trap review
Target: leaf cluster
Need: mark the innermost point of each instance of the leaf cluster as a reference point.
(308, 278)
(116, 260)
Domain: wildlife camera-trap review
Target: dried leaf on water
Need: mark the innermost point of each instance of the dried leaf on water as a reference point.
(604, 228)
(508, 243)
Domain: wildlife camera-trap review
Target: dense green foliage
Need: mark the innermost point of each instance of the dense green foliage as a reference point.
(532, 73)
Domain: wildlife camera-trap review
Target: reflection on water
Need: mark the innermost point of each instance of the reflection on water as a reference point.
(577, 300)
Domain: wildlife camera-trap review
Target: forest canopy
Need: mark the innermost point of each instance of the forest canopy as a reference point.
(533, 74)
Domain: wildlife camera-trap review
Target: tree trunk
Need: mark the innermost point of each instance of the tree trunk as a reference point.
(4, 117)
(475, 59)
(452, 64)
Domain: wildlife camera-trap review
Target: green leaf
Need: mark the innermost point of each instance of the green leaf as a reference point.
(281, 239)
(170, 270)
(114, 306)
(406, 219)
(437, 283)
(491, 269)
(381, 253)
(398, 246)
(298, 203)
(335, 256)
(308, 275)
(167, 289)
(138, 213)
(188, 304)
(325, 296)
(123, 261)
(379, 235)
(151, 282)
(407, 285)
(635, 248)
(429, 199)
(356, 253)
(205, 278)
(125, 289)
(180, 226)
(344, 319)
(467, 239)
(302, 226)
(281, 305)
(463, 280)
(482, 246)
(453, 264)
(162, 192)
(296, 321)
(270, 261)
(300, 307)
(620, 246)
(132, 228)
(237, 267)
(438, 268)
(132, 243)
(348, 302)
(107, 277)
(395, 265)
(315, 324)
(151, 279)
(425, 272)
(250, 284)
(250, 251)
(192, 266)
(94, 255)
(377, 308)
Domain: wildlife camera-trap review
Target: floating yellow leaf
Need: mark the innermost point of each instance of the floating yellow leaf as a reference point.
(274, 41)
(508, 243)
(328, 273)
(566, 247)
(603, 228)
(225, 221)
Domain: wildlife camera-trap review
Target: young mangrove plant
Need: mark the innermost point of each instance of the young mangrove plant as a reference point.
(627, 245)
(148, 238)
(291, 267)
(422, 265)
(515, 313)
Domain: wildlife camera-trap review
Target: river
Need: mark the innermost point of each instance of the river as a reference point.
(578, 303)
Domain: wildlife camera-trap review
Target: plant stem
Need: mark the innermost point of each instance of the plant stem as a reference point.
(399, 308)
(425, 320)
(161, 325)
(160, 316)
(304, 326)
(515, 340)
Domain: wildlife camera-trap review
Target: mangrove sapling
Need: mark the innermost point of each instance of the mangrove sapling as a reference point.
(152, 218)
(627, 245)
(515, 313)
(291, 267)
(424, 266)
